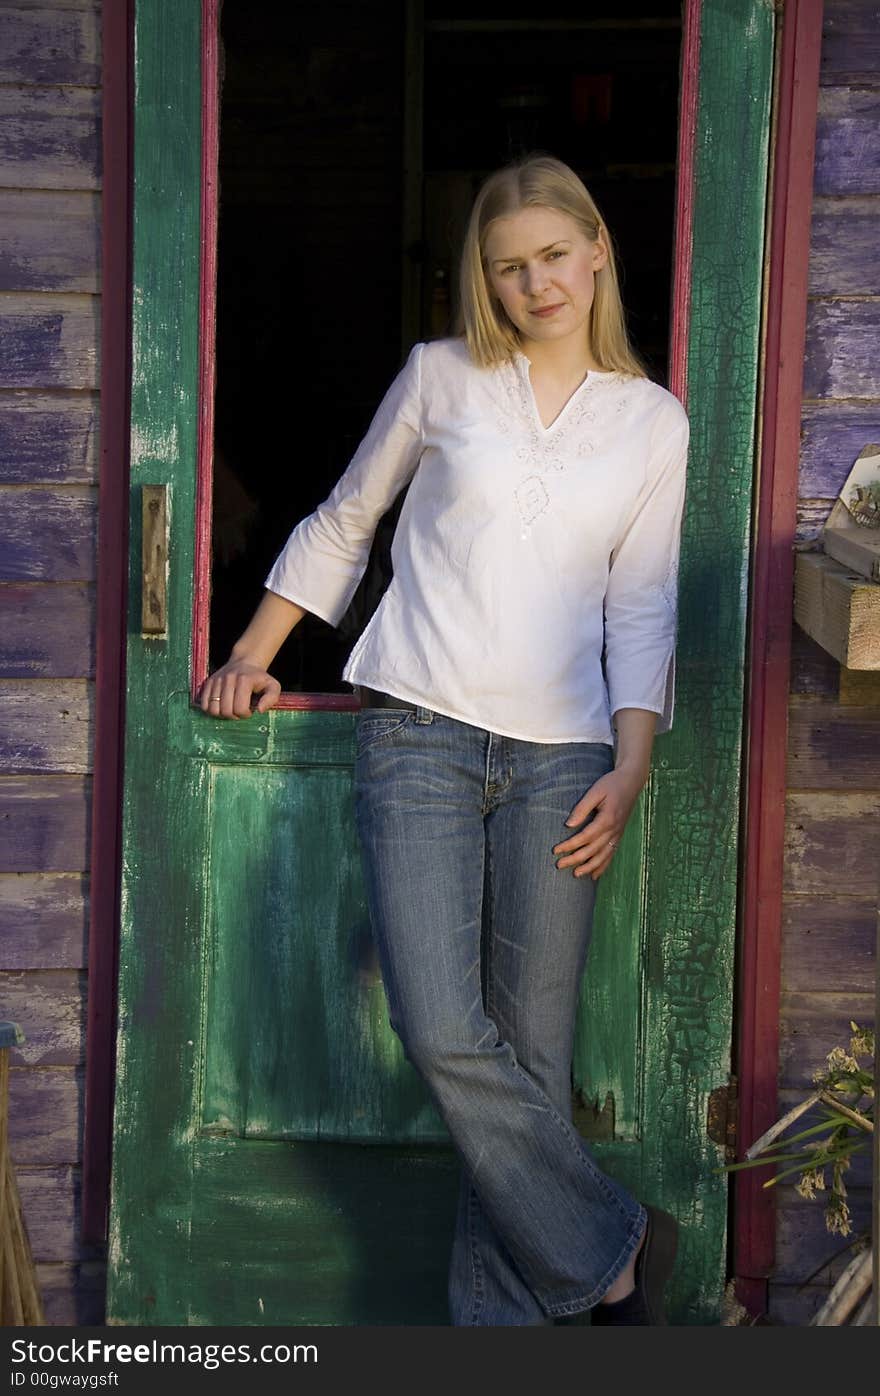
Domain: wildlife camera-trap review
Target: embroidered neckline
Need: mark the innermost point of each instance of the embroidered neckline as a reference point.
(549, 450)
(592, 379)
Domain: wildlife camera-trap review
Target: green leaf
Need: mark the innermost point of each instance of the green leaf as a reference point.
(815, 1161)
(756, 1162)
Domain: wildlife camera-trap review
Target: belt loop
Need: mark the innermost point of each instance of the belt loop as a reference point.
(423, 714)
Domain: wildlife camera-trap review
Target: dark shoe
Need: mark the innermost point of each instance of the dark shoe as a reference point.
(644, 1305)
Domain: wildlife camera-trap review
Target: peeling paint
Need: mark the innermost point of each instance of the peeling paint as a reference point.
(154, 444)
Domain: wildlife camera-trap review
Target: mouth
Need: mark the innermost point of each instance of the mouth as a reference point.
(544, 311)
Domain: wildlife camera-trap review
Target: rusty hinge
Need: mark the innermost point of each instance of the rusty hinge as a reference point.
(721, 1118)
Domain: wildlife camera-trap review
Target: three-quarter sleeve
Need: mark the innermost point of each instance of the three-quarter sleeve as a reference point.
(326, 555)
(641, 598)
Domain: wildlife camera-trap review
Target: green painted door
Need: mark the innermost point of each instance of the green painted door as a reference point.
(276, 1160)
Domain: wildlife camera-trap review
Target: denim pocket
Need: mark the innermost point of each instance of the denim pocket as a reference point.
(374, 725)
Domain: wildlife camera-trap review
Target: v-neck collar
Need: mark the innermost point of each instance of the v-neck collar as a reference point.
(522, 366)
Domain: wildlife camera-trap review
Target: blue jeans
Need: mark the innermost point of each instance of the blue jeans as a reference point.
(482, 942)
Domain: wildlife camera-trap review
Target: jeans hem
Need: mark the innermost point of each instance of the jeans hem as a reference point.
(581, 1303)
(476, 1261)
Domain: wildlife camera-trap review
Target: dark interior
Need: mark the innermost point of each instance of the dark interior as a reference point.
(336, 253)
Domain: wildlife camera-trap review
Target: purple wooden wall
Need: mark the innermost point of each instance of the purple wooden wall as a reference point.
(830, 891)
(49, 316)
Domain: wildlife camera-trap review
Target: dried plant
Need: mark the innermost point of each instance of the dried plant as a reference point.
(842, 1108)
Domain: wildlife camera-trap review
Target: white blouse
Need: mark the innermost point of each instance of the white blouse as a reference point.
(521, 550)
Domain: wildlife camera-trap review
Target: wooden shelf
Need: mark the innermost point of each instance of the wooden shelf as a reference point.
(839, 609)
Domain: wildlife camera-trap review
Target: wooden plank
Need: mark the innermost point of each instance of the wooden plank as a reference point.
(803, 1241)
(50, 46)
(44, 920)
(59, 4)
(831, 842)
(859, 688)
(810, 1024)
(793, 1305)
(48, 341)
(814, 673)
(788, 1097)
(50, 1006)
(848, 141)
(45, 1113)
(48, 440)
(833, 747)
(812, 515)
(45, 823)
(48, 630)
(50, 533)
(844, 236)
(51, 138)
(50, 1202)
(841, 356)
(828, 941)
(839, 608)
(856, 549)
(73, 1294)
(832, 436)
(45, 725)
(49, 240)
(850, 42)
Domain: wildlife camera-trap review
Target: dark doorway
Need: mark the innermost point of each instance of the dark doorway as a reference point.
(353, 137)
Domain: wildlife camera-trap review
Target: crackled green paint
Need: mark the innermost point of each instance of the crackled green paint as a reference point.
(276, 1160)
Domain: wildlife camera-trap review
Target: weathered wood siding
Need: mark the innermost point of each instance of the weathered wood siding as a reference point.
(49, 316)
(830, 887)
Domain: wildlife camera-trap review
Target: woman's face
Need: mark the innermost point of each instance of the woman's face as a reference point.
(542, 267)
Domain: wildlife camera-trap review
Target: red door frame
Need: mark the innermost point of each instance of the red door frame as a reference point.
(117, 20)
(770, 622)
(770, 607)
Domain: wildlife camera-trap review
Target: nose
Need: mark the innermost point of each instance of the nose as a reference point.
(537, 278)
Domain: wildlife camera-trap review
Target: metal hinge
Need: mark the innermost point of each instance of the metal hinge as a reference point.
(722, 1117)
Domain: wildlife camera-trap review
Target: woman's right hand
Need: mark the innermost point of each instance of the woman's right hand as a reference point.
(228, 692)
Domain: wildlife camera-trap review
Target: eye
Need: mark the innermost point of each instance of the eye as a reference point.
(558, 252)
(514, 266)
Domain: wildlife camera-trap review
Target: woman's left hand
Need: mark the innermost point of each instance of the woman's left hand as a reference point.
(613, 797)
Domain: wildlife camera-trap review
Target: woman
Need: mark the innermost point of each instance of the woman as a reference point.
(546, 478)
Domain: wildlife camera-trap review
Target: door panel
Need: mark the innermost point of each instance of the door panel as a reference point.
(297, 1044)
(276, 1159)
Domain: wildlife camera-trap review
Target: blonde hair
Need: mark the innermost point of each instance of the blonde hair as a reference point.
(544, 182)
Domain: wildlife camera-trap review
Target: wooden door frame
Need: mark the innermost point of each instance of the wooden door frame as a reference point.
(111, 601)
(769, 686)
(771, 616)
